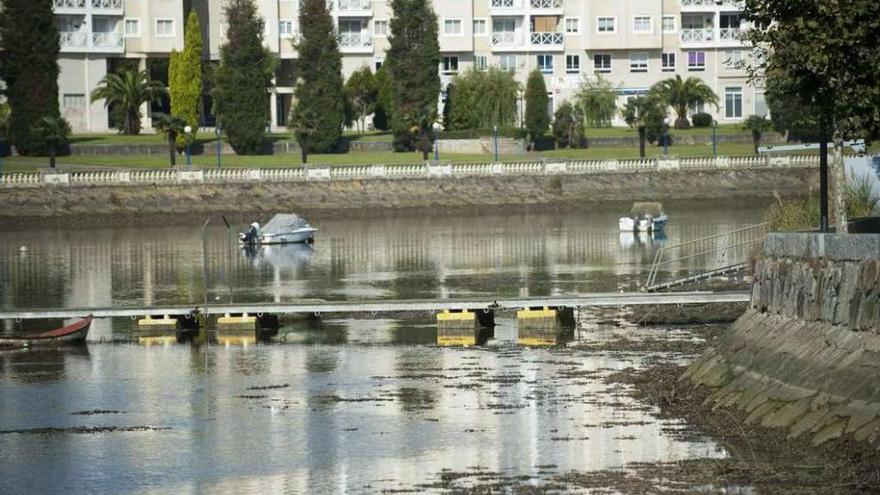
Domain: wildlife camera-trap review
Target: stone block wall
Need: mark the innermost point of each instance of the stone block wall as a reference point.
(806, 354)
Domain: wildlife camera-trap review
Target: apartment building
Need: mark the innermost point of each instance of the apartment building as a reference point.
(631, 43)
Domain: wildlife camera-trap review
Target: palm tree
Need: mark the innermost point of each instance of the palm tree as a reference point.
(129, 90)
(682, 94)
(639, 113)
(172, 126)
(758, 126)
(55, 131)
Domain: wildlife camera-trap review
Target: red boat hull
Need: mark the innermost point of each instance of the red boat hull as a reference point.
(75, 333)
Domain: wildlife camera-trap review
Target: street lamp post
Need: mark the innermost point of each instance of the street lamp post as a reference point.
(715, 138)
(188, 131)
(217, 131)
(495, 134)
(666, 136)
(436, 128)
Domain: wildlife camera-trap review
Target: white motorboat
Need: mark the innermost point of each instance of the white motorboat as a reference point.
(644, 217)
(283, 228)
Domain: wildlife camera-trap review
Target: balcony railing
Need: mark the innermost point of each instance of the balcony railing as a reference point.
(69, 4)
(546, 4)
(697, 35)
(71, 39)
(712, 3)
(545, 39)
(107, 40)
(355, 40)
(505, 38)
(731, 34)
(349, 5)
(505, 4)
(107, 4)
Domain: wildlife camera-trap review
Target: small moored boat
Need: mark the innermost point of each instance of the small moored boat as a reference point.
(644, 217)
(75, 333)
(283, 228)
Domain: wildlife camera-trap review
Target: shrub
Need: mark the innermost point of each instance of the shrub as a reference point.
(537, 118)
(701, 119)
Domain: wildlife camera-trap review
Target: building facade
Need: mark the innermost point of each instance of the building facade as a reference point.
(631, 43)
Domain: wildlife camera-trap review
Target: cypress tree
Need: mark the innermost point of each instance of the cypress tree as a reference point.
(319, 112)
(241, 90)
(382, 111)
(537, 116)
(413, 63)
(185, 78)
(30, 45)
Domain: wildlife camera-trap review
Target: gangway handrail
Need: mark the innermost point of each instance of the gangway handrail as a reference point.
(658, 261)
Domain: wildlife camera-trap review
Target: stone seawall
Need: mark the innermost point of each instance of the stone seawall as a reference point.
(353, 197)
(806, 354)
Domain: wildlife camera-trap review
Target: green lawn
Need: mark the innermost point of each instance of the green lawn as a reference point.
(356, 158)
(208, 136)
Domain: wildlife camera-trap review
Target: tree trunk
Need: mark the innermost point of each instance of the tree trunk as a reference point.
(172, 148)
(823, 178)
(425, 143)
(52, 156)
(642, 138)
(304, 153)
(756, 139)
(839, 185)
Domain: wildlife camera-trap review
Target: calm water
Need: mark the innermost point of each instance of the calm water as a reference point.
(340, 406)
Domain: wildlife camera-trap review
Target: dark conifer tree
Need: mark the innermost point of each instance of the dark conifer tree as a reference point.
(242, 82)
(537, 101)
(413, 63)
(29, 42)
(319, 112)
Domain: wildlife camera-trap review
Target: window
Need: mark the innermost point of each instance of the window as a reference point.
(733, 58)
(507, 62)
(572, 25)
(481, 62)
(668, 62)
(285, 29)
(638, 62)
(452, 27)
(761, 108)
(545, 63)
(696, 61)
(479, 26)
(380, 27)
(606, 25)
(572, 64)
(668, 23)
(132, 28)
(642, 24)
(450, 64)
(73, 100)
(733, 102)
(602, 62)
(164, 28)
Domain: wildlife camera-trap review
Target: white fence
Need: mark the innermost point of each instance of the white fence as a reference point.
(404, 171)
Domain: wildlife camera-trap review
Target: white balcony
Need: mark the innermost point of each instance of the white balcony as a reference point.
(360, 42)
(69, 6)
(107, 7)
(74, 41)
(357, 8)
(547, 40)
(703, 5)
(506, 40)
(730, 34)
(546, 4)
(506, 7)
(107, 42)
(702, 35)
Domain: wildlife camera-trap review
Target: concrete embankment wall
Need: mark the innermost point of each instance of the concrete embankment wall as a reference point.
(366, 196)
(806, 354)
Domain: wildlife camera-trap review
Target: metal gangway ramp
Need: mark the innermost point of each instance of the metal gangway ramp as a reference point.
(704, 258)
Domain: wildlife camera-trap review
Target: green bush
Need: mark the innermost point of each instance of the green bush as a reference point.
(701, 119)
(802, 213)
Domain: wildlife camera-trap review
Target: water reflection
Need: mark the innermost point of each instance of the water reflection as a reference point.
(397, 257)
